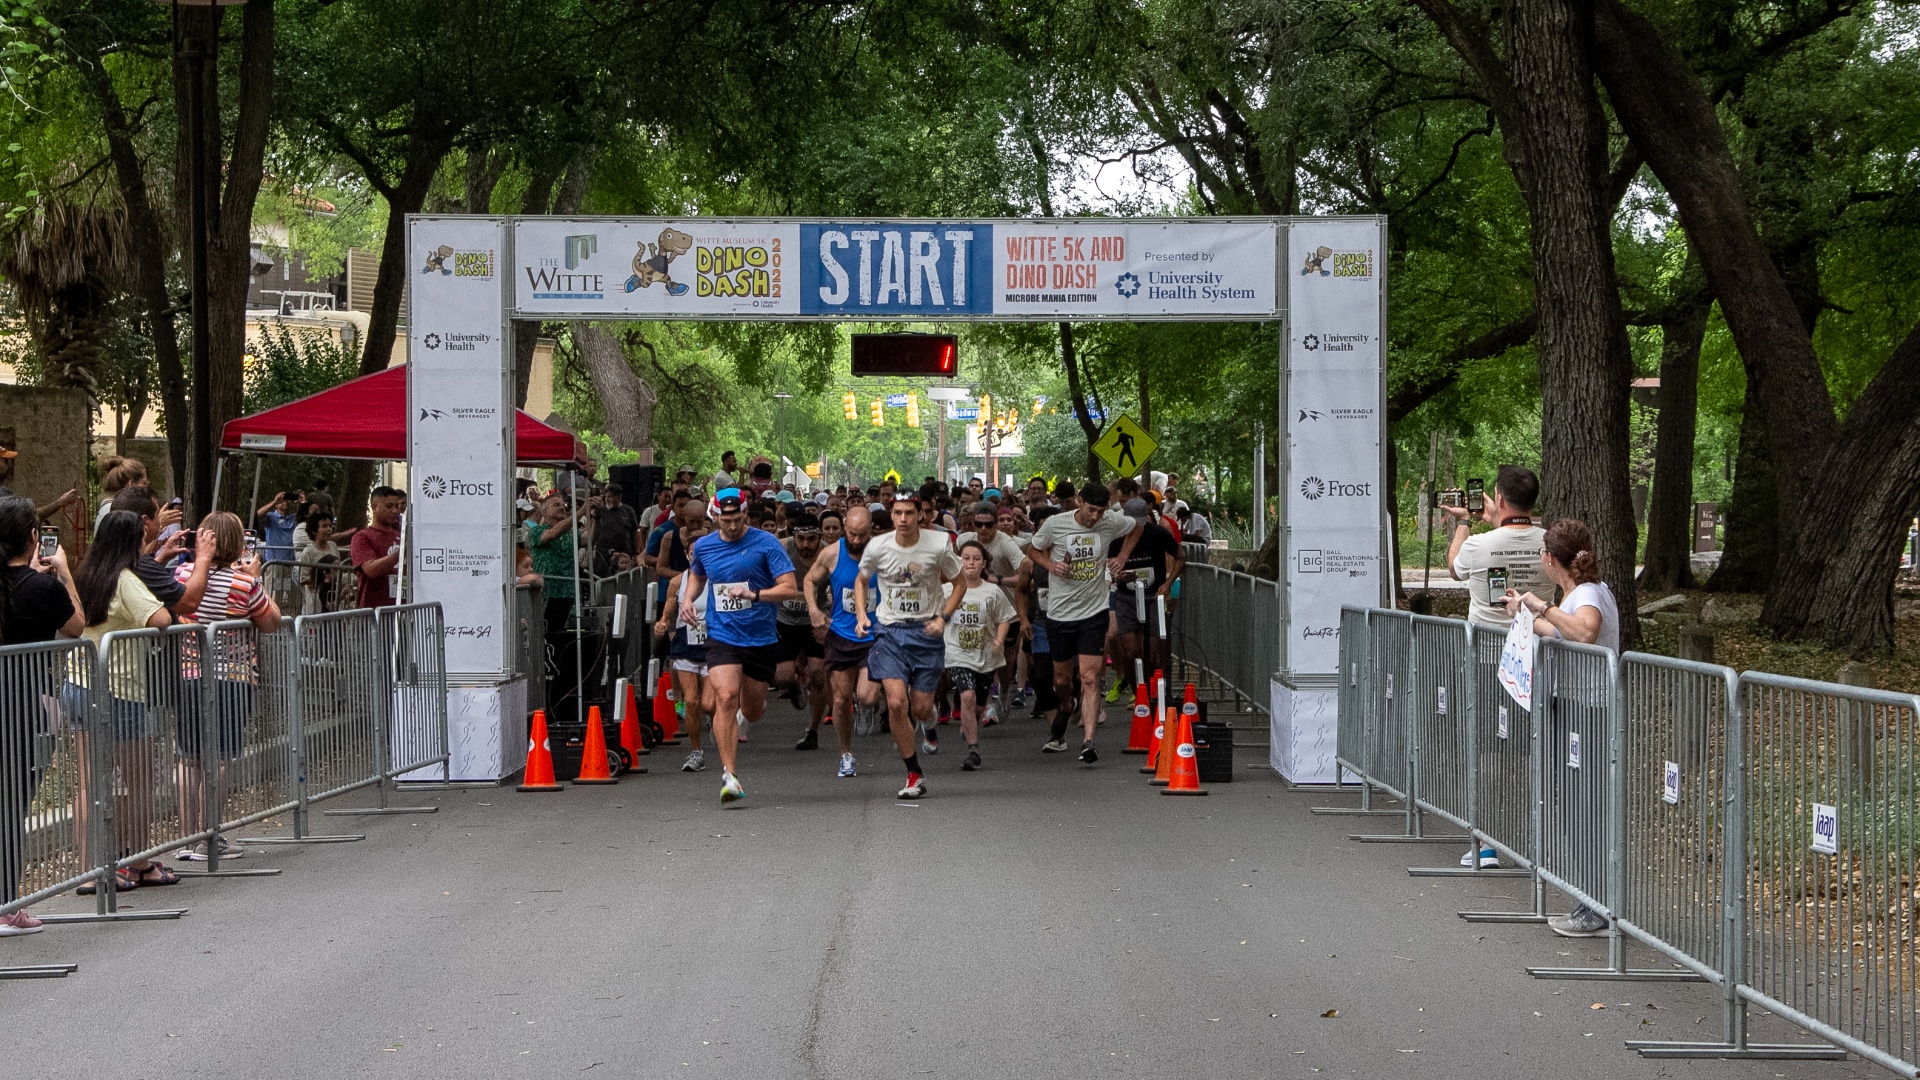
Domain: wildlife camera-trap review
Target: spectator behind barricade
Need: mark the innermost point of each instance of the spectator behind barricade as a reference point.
(661, 507)
(37, 603)
(376, 548)
(8, 456)
(114, 596)
(1589, 615)
(617, 536)
(1504, 558)
(276, 520)
(116, 475)
(319, 498)
(551, 540)
(523, 571)
(315, 543)
(234, 591)
(729, 469)
(1193, 525)
(156, 523)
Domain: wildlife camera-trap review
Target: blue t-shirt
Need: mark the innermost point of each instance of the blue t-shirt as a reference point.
(279, 538)
(754, 560)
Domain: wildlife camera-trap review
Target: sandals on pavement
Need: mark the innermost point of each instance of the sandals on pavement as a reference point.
(123, 881)
(167, 877)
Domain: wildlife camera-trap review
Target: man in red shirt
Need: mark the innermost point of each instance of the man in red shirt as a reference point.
(376, 548)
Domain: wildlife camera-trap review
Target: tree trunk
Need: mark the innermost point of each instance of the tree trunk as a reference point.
(389, 285)
(1146, 419)
(1668, 564)
(1840, 488)
(1752, 513)
(1586, 367)
(526, 332)
(149, 248)
(626, 400)
(1079, 396)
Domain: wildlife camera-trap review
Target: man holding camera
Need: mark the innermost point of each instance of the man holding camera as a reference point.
(1507, 556)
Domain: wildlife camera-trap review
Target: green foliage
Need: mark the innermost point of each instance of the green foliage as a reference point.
(286, 363)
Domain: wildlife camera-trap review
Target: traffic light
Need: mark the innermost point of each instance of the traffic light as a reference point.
(879, 412)
(850, 407)
(913, 410)
(986, 409)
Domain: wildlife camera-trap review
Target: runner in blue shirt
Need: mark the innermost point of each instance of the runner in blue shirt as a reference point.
(747, 572)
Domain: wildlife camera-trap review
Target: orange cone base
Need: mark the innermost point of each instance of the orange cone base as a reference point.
(1157, 782)
(578, 783)
(539, 787)
(1190, 791)
(1131, 750)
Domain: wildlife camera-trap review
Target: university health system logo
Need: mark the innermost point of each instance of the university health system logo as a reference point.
(1126, 284)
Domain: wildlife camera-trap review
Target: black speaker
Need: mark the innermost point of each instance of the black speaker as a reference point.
(639, 484)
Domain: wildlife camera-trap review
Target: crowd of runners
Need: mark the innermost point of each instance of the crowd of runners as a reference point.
(915, 607)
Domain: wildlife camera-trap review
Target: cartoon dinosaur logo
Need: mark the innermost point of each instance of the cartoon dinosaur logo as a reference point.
(437, 260)
(1316, 261)
(651, 261)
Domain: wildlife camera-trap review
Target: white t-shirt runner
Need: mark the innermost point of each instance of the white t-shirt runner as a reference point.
(1080, 592)
(910, 577)
(1487, 557)
(970, 632)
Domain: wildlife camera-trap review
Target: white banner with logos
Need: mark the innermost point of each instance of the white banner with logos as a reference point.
(864, 269)
(1335, 424)
(460, 427)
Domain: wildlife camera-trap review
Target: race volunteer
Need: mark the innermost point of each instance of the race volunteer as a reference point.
(846, 647)
(747, 572)
(909, 650)
(1072, 549)
(1506, 559)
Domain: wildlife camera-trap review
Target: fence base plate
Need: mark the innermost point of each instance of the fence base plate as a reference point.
(40, 971)
(251, 872)
(1613, 975)
(344, 839)
(370, 811)
(1462, 871)
(1394, 838)
(1353, 811)
(1502, 916)
(1775, 1051)
(116, 916)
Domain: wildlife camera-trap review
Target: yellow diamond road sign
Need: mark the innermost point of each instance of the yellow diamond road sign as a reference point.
(1125, 446)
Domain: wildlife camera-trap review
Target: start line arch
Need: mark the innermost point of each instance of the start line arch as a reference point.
(1322, 278)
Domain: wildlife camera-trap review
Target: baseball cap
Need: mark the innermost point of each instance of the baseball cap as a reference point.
(725, 501)
(784, 495)
(906, 495)
(877, 507)
(1137, 508)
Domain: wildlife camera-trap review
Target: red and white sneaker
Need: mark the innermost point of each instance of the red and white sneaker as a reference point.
(916, 787)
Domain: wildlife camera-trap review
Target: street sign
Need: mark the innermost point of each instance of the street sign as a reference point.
(1125, 446)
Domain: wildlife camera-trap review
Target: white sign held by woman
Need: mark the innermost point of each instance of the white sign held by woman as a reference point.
(1516, 660)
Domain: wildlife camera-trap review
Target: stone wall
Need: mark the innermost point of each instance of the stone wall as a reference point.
(50, 427)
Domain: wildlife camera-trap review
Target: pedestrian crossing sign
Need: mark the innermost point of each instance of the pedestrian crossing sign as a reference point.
(1125, 446)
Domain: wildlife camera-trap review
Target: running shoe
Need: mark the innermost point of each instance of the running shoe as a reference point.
(695, 761)
(992, 717)
(809, 741)
(846, 766)
(730, 790)
(741, 722)
(800, 697)
(973, 760)
(929, 740)
(1087, 753)
(1582, 921)
(915, 788)
(946, 717)
(1113, 693)
(1487, 856)
(20, 924)
(1055, 746)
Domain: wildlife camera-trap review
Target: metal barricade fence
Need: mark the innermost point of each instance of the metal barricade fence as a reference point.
(148, 698)
(1355, 697)
(1440, 703)
(43, 769)
(338, 705)
(253, 749)
(1503, 771)
(529, 628)
(310, 588)
(416, 698)
(1228, 625)
(1575, 694)
(1829, 862)
(1388, 751)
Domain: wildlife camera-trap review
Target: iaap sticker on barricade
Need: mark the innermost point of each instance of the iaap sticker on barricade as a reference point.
(1670, 785)
(1503, 721)
(1440, 703)
(1573, 749)
(1826, 829)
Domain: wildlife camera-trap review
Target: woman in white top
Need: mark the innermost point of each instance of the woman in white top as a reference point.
(1588, 615)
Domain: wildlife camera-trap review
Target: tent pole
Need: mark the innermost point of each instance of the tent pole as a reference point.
(258, 461)
(219, 470)
(579, 620)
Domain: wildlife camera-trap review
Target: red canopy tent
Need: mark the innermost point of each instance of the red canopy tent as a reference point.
(367, 419)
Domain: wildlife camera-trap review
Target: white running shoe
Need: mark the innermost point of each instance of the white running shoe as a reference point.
(730, 790)
(846, 765)
(916, 787)
(742, 723)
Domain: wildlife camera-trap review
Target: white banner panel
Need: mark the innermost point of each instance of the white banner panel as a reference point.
(875, 269)
(460, 435)
(1334, 505)
(656, 268)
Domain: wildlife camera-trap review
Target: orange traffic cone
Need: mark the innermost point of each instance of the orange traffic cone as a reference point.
(1169, 729)
(1186, 765)
(630, 730)
(593, 755)
(539, 775)
(663, 713)
(1139, 739)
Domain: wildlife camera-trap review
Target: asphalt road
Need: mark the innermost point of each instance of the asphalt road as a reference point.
(1037, 919)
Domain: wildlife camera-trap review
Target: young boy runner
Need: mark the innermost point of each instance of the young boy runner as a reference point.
(745, 572)
(909, 652)
(975, 639)
(846, 647)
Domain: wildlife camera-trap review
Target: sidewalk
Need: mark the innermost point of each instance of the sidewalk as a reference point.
(1037, 919)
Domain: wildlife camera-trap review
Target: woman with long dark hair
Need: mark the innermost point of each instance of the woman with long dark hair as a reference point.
(113, 597)
(37, 604)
